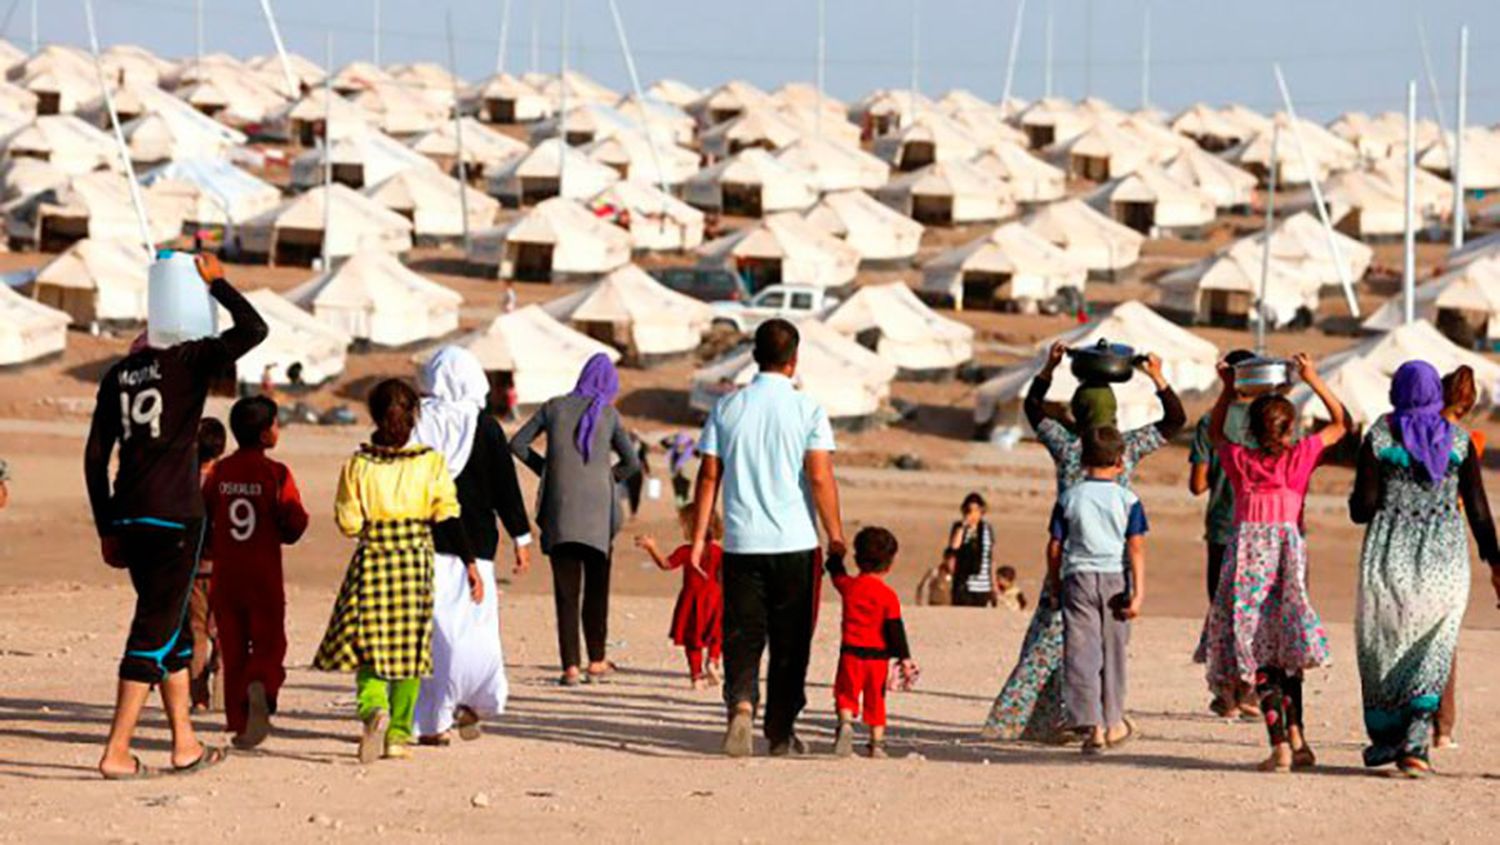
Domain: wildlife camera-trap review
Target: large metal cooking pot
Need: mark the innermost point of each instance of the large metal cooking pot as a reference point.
(1261, 375)
(1104, 363)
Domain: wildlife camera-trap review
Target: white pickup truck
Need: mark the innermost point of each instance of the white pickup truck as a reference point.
(789, 302)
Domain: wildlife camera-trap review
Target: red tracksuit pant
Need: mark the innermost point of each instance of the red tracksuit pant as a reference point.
(252, 647)
(862, 677)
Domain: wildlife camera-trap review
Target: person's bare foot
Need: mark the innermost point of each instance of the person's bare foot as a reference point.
(1280, 760)
(570, 677)
(739, 738)
(120, 768)
(1444, 742)
(712, 674)
(699, 683)
(843, 740)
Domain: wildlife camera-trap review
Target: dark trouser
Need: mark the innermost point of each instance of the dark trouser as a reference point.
(962, 597)
(252, 640)
(1094, 644)
(1280, 702)
(1213, 566)
(576, 569)
(769, 598)
(162, 563)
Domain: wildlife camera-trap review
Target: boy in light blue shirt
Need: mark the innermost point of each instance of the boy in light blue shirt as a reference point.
(1097, 525)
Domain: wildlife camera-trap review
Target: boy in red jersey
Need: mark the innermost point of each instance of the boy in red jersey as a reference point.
(254, 508)
(873, 635)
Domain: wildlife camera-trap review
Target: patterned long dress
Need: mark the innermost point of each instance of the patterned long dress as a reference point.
(1030, 704)
(1413, 586)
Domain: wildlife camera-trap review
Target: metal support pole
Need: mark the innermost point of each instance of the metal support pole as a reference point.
(1409, 263)
(1265, 247)
(1456, 165)
(562, 106)
(1432, 86)
(458, 133)
(286, 66)
(114, 122)
(1146, 57)
(504, 38)
(1015, 49)
(198, 34)
(640, 96)
(916, 57)
(1047, 55)
(327, 256)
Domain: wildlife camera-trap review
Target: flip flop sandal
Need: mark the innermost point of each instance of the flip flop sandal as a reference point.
(442, 740)
(598, 678)
(211, 756)
(567, 680)
(1093, 748)
(141, 772)
(1130, 734)
(468, 725)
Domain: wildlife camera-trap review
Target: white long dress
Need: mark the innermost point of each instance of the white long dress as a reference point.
(468, 661)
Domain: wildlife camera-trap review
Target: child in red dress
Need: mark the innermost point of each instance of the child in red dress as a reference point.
(697, 622)
(872, 635)
(253, 507)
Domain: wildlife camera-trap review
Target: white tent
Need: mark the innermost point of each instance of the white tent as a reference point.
(1189, 363)
(752, 184)
(1028, 178)
(295, 337)
(580, 88)
(558, 240)
(784, 249)
(1363, 372)
(96, 205)
(1105, 151)
(831, 125)
(1371, 202)
(900, 328)
(1228, 186)
(305, 71)
(1327, 151)
(948, 193)
(96, 281)
(1463, 303)
(848, 380)
(375, 298)
(657, 222)
(932, 137)
(167, 135)
(1011, 264)
(15, 100)
(430, 199)
(1052, 120)
(360, 159)
(431, 80)
(485, 150)
(303, 122)
(1481, 158)
(886, 110)
(727, 102)
(632, 154)
(292, 233)
(635, 314)
(673, 91)
(664, 120)
(1211, 128)
(539, 175)
(533, 352)
(756, 127)
(65, 142)
(29, 330)
(879, 233)
(834, 167)
(1090, 238)
(234, 94)
(1154, 203)
(62, 78)
(506, 99)
(1300, 242)
(211, 191)
(25, 177)
(588, 122)
(1222, 289)
(400, 110)
(359, 76)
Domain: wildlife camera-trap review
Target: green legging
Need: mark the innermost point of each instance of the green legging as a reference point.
(397, 697)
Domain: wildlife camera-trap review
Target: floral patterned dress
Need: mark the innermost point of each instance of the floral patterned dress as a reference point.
(1413, 586)
(1030, 704)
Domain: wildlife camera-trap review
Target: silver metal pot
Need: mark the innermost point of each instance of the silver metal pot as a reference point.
(1262, 375)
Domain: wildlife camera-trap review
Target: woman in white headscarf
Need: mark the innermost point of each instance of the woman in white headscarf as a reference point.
(468, 678)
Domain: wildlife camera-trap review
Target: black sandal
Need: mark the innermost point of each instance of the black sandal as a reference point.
(141, 772)
(211, 756)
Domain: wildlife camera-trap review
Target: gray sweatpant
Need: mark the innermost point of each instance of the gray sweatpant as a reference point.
(1094, 644)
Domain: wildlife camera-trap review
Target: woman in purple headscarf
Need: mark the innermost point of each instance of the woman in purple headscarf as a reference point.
(578, 510)
(1414, 468)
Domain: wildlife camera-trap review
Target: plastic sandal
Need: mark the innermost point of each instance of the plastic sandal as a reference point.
(211, 756)
(468, 725)
(141, 772)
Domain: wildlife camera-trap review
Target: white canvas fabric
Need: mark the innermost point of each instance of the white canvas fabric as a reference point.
(542, 355)
(909, 334)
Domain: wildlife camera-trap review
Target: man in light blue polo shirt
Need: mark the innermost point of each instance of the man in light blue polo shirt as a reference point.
(769, 448)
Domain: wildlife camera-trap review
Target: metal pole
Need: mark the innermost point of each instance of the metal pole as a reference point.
(286, 65)
(1317, 192)
(375, 37)
(1432, 86)
(822, 61)
(1265, 247)
(1047, 55)
(198, 33)
(562, 106)
(114, 122)
(1146, 58)
(504, 38)
(1456, 165)
(1010, 61)
(458, 133)
(916, 41)
(640, 96)
(328, 154)
(1409, 264)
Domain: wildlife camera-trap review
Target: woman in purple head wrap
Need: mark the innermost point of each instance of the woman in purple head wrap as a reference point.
(1414, 469)
(578, 510)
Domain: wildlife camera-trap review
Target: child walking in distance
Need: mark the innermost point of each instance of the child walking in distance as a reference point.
(150, 521)
(253, 509)
(872, 636)
(1262, 629)
(391, 497)
(1097, 525)
(698, 619)
(204, 679)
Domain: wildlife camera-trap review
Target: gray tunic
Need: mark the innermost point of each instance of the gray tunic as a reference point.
(577, 501)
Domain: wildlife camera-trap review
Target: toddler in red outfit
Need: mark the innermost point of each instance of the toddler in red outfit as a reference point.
(872, 636)
(253, 507)
(698, 619)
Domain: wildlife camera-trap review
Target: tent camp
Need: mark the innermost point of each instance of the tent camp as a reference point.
(96, 282)
(1189, 363)
(636, 314)
(1222, 289)
(673, 91)
(305, 71)
(1481, 159)
(431, 80)
(1210, 128)
(61, 77)
(96, 205)
(1028, 179)
(633, 156)
(580, 88)
(24, 177)
(727, 102)
(235, 95)
(292, 233)
(783, 249)
(755, 128)
(360, 159)
(376, 299)
(1228, 186)
(589, 122)
(65, 142)
(505, 99)
(359, 76)
(533, 353)
(932, 137)
(485, 150)
(1011, 265)
(850, 382)
(659, 119)
(399, 110)
(890, 320)
(1090, 238)
(834, 167)
(1155, 204)
(430, 199)
(29, 330)
(750, 184)
(948, 193)
(876, 231)
(15, 100)
(303, 122)
(1370, 202)
(297, 343)
(1053, 120)
(1104, 151)
(657, 222)
(559, 240)
(211, 191)
(1327, 152)
(1464, 304)
(886, 110)
(1300, 242)
(538, 175)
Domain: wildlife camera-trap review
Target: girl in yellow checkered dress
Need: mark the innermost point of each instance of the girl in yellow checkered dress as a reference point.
(391, 498)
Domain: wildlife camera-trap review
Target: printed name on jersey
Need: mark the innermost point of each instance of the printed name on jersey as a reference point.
(239, 488)
(141, 375)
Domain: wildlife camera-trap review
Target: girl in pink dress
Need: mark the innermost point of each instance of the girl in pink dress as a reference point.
(1262, 629)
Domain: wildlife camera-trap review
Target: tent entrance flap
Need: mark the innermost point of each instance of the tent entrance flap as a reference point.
(500, 110)
(1228, 308)
(932, 209)
(916, 155)
(539, 189)
(980, 290)
(1040, 136)
(59, 232)
(531, 262)
(352, 175)
(1140, 216)
(297, 247)
(1465, 328)
(740, 199)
